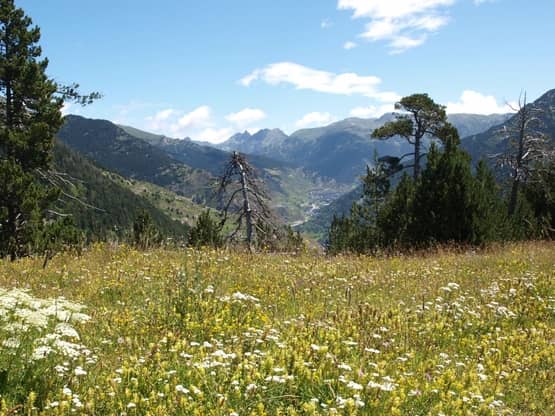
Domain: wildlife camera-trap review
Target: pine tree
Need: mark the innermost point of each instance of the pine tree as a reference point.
(443, 202)
(539, 192)
(340, 235)
(23, 202)
(491, 222)
(375, 187)
(367, 236)
(451, 204)
(206, 232)
(360, 233)
(421, 117)
(145, 234)
(396, 216)
(59, 235)
(30, 116)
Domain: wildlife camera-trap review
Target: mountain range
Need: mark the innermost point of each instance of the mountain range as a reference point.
(189, 169)
(341, 150)
(309, 173)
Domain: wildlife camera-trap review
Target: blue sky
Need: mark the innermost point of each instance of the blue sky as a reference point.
(211, 68)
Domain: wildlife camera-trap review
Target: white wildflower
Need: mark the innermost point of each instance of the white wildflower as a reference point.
(41, 352)
(180, 389)
(354, 386)
(11, 343)
(66, 330)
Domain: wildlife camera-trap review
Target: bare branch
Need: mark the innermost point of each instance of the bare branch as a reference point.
(240, 192)
(58, 180)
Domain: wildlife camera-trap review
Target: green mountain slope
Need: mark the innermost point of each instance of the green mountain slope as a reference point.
(114, 149)
(177, 207)
(294, 190)
(470, 124)
(200, 156)
(115, 205)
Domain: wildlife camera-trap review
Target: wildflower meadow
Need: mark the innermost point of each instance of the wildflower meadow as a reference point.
(117, 331)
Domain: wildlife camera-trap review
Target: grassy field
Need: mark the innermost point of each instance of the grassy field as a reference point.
(117, 331)
(175, 206)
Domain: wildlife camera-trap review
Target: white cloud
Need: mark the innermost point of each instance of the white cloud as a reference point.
(164, 114)
(371, 111)
(177, 123)
(390, 8)
(349, 45)
(473, 102)
(246, 117)
(315, 119)
(200, 123)
(304, 78)
(199, 117)
(404, 24)
(159, 121)
(247, 80)
(402, 43)
(253, 130)
(69, 108)
(215, 135)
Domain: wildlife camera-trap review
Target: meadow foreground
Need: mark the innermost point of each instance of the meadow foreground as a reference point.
(117, 331)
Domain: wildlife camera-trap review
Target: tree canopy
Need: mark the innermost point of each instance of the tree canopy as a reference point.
(419, 117)
(30, 116)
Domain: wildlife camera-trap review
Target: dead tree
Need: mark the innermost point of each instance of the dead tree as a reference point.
(241, 196)
(527, 148)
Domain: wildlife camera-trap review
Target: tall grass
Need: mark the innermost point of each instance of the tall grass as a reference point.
(221, 333)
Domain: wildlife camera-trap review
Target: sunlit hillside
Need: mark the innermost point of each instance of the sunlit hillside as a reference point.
(189, 332)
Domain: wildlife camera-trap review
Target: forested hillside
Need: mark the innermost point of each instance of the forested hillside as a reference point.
(192, 170)
(114, 149)
(101, 206)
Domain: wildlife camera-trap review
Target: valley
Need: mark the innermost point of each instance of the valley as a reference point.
(307, 173)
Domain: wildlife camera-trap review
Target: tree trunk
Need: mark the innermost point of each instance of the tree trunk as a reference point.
(418, 134)
(519, 160)
(416, 171)
(246, 205)
(514, 196)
